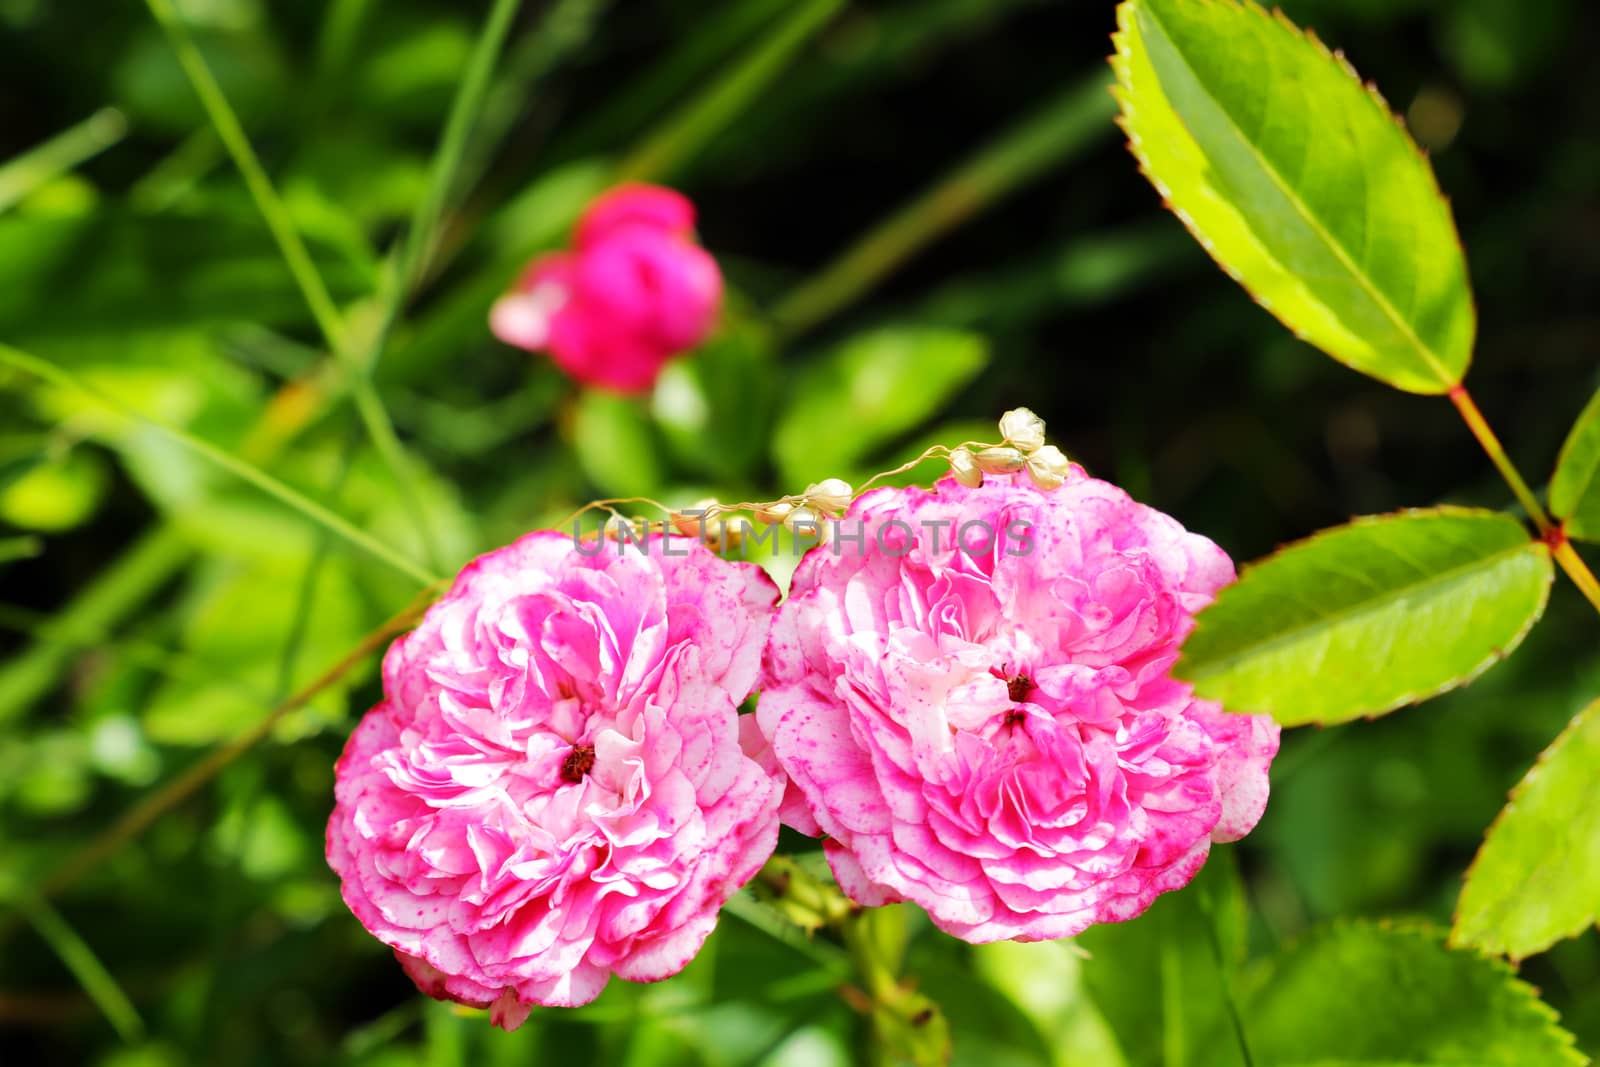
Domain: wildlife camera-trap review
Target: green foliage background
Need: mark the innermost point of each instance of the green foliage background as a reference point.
(926, 217)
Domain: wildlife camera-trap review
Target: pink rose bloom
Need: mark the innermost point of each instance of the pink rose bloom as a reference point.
(556, 787)
(635, 291)
(993, 732)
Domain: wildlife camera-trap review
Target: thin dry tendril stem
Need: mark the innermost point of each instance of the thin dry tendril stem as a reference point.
(710, 511)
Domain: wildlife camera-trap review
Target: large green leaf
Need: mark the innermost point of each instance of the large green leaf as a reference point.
(1300, 183)
(1575, 489)
(872, 389)
(1537, 877)
(1363, 618)
(1377, 995)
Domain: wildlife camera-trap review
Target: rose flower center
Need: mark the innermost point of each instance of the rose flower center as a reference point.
(579, 762)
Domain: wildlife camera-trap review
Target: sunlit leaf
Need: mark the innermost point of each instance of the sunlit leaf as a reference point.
(1300, 183)
(1537, 877)
(55, 495)
(1364, 618)
(1575, 489)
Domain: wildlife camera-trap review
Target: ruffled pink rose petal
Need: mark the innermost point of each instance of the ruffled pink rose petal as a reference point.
(992, 731)
(556, 788)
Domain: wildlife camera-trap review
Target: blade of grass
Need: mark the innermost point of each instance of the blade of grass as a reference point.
(80, 959)
(150, 563)
(271, 206)
(138, 818)
(464, 111)
(402, 270)
(631, 107)
(563, 29)
(305, 596)
(336, 42)
(226, 460)
(1224, 982)
(177, 174)
(298, 259)
(60, 154)
(167, 662)
(689, 128)
(1062, 129)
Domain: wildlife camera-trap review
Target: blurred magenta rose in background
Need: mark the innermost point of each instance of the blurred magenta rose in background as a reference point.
(634, 291)
(992, 730)
(557, 786)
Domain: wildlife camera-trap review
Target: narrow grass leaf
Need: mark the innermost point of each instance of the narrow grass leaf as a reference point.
(257, 477)
(85, 966)
(60, 155)
(703, 117)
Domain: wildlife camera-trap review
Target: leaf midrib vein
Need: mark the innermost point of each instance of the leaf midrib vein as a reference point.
(1339, 251)
(1300, 632)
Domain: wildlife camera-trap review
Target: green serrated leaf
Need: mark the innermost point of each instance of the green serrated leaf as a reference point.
(1299, 183)
(1382, 995)
(1364, 618)
(1575, 488)
(1536, 879)
(873, 388)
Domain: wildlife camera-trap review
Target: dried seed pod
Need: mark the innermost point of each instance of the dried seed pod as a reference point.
(1048, 467)
(832, 495)
(1022, 428)
(803, 522)
(964, 466)
(722, 535)
(692, 523)
(1001, 460)
(773, 514)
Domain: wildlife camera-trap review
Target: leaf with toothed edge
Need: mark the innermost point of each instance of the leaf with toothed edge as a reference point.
(1366, 617)
(1575, 487)
(1300, 183)
(1364, 994)
(1536, 880)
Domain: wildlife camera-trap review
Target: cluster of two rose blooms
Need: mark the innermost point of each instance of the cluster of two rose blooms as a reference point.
(558, 786)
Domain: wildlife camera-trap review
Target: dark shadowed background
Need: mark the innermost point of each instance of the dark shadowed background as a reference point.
(154, 608)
